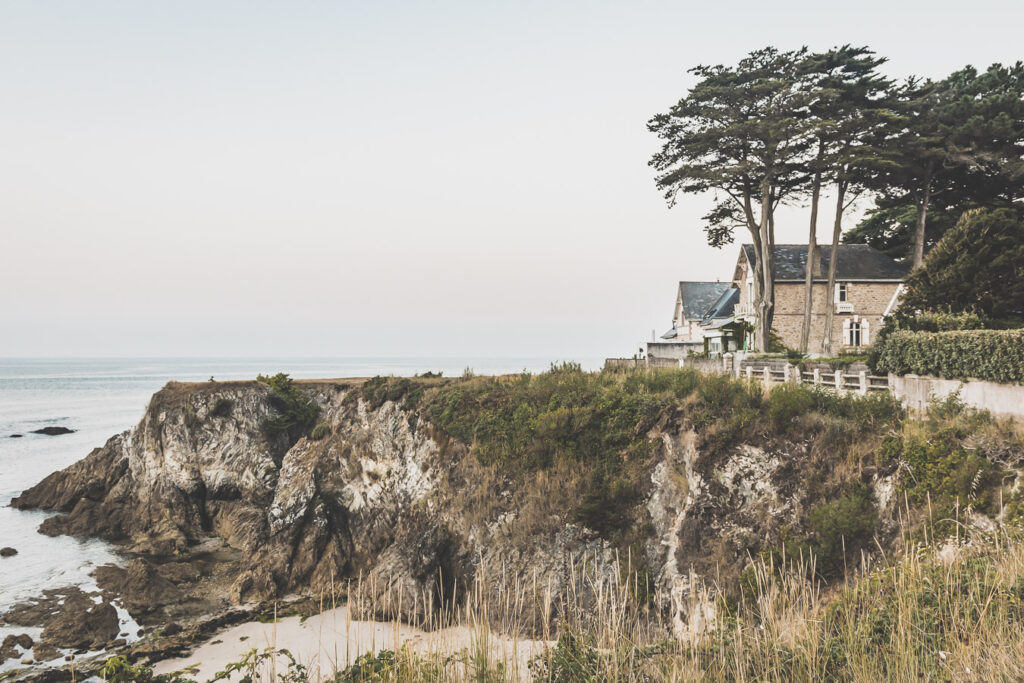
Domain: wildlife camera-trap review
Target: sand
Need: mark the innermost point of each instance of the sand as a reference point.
(330, 640)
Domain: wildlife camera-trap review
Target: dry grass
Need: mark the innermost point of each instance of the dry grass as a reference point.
(947, 611)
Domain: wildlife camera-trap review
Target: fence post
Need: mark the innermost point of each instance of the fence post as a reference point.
(787, 373)
(839, 380)
(863, 382)
(817, 376)
(750, 372)
(767, 376)
(727, 363)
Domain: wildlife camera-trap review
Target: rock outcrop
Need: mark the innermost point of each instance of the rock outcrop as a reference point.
(389, 511)
(53, 431)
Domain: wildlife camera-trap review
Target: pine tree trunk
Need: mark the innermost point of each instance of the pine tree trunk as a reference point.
(812, 249)
(766, 306)
(922, 217)
(830, 305)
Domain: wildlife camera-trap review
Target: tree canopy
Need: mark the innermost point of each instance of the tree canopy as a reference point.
(977, 267)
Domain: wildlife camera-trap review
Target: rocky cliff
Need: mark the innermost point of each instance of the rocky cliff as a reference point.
(387, 499)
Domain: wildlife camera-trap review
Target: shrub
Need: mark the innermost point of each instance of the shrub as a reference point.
(943, 474)
(379, 390)
(994, 355)
(786, 402)
(296, 411)
(320, 431)
(843, 527)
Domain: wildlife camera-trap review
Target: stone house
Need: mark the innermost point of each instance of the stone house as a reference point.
(693, 301)
(868, 284)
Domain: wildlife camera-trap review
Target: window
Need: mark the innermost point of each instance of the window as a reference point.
(853, 334)
(841, 293)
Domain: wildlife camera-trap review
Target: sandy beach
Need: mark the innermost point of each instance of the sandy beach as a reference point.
(330, 640)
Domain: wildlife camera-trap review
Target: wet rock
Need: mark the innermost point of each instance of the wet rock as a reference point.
(172, 629)
(119, 642)
(81, 623)
(8, 552)
(16, 436)
(140, 586)
(53, 431)
(44, 652)
(254, 585)
(10, 645)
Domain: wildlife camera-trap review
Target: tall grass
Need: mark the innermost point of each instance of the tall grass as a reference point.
(946, 611)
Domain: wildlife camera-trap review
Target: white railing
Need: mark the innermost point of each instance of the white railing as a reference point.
(743, 310)
(844, 307)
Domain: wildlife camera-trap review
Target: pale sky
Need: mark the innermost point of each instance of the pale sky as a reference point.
(379, 178)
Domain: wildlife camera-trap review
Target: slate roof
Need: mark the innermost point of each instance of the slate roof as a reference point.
(856, 262)
(723, 307)
(698, 297)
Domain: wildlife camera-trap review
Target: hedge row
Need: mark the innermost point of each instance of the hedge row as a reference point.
(994, 355)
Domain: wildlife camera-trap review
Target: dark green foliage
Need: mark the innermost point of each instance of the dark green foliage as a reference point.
(574, 659)
(368, 667)
(786, 402)
(922, 321)
(600, 420)
(118, 669)
(403, 390)
(222, 407)
(950, 145)
(842, 528)
(890, 225)
(978, 267)
(995, 355)
(534, 421)
(947, 477)
(296, 412)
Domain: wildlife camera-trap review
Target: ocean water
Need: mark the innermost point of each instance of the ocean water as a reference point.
(101, 397)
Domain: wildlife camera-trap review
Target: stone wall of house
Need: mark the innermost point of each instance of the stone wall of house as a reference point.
(869, 300)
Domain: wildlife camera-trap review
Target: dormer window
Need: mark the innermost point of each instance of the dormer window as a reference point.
(841, 292)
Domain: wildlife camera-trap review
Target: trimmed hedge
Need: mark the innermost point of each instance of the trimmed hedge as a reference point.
(994, 355)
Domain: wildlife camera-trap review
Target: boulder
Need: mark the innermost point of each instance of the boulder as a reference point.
(79, 625)
(8, 552)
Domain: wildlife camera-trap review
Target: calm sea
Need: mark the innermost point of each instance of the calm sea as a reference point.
(101, 397)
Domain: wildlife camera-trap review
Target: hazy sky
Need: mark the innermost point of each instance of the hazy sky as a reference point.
(379, 178)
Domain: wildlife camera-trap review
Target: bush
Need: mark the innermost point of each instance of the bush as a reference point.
(994, 355)
(786, 402)
(320, 431)
(843, 527)
(296, 412)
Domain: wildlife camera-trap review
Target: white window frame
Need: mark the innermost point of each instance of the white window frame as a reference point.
(842, 293)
